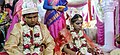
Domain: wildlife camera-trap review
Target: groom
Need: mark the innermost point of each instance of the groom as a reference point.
(30, 38)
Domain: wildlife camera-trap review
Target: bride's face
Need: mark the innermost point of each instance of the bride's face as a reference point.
(78, 24)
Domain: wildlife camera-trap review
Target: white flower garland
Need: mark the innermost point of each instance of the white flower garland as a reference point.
(80, 40)
(81, 44)
(30, 39)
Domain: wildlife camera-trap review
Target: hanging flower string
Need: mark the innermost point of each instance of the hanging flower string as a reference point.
(32, 38)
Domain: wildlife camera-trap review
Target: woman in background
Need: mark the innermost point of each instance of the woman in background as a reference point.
(54, 17)
(55, 20)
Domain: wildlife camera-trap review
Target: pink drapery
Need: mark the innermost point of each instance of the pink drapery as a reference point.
(119, 16)
(100, 32)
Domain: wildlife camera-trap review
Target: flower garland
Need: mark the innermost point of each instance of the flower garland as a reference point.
(81, 44)
(32, 37)
(79, 41)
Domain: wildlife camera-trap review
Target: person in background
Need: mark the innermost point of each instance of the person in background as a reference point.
(2, 33)
(8, 11)
(30, 38)
(4, 22)
(15, 15)
(2, 12)
(81, 44)
(54, 17)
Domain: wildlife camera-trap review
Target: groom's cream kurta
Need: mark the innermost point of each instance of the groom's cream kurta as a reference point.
(14, 45)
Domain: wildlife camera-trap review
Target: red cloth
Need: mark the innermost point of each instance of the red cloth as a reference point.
(63, 38)
(90, 42)
(4, 53)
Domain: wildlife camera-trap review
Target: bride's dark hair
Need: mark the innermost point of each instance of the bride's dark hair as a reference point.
(75, 18)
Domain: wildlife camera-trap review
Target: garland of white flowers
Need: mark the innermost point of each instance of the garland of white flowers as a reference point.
(80, 41)
(31, 37)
